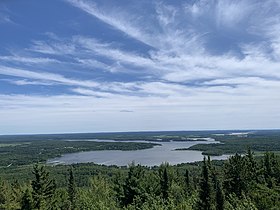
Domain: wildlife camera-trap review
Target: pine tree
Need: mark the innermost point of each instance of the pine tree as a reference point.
(132, 187)
(43, 187)
(205, 196)
(164, 183)
(234, 175)
(71, 188)
(187, 182)
(271, 169)
(26, 201)
(220, 197)
(250, 167)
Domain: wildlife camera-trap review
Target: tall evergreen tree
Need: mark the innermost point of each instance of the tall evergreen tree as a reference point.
(26, 201)
(132, 185)
(164, 183)
(71, 188)
(220, 197)
(251, 170)
(188, 187)
(43, 187)
(234, 175)
(205, 194)
(271, 169)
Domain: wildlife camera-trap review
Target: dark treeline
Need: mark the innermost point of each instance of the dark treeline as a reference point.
(241, 182)
(259, 141)
(18, 153)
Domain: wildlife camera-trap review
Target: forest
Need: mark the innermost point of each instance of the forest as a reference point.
(19, 153)
(259, 141)
(249, 179)
(241, 182)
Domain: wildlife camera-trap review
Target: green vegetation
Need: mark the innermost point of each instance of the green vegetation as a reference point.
(241, 182)
(120, 136)
(258, 141)
(24, 153)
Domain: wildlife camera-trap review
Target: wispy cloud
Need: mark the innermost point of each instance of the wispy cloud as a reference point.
(231, 13)
(203, 59)
(30, 82)
(115, 19)
(44, 76)
(52, 48)
(4, 16)
(27, 60)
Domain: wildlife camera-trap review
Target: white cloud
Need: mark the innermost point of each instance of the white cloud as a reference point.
(187, 85)
(45, 76)
(166, 15)
(28, 60)
(5, 17)
(182, 108)
(115, 19)
(230, 13)
(53, 48)
(28, 82)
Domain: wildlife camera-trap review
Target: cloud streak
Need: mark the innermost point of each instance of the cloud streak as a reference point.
(118, 22)
(205, 60)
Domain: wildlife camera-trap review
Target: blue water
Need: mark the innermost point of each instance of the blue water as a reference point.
(148, 157)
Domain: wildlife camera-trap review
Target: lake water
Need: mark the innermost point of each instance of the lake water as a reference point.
(148, 157)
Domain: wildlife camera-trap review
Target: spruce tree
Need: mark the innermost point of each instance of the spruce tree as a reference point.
(269, 168)
(164, 183)
(205, 194)
(234, 175)
(187, 182)
(220, 197)
(71, 188)
(132, 185)
(43, 187)
(251, 173)
(26, 201)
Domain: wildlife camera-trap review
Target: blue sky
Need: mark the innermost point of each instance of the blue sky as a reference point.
(129, 65)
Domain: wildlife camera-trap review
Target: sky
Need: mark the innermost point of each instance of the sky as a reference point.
(130, 65)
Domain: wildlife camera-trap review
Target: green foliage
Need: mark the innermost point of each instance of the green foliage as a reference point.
(9, 196)
(220, 197)
(265, 198)
(248, 183)
(98, 196)
(243, 203)
(231, 144)
(234, 175)
(132, 187)
(205, 193)
(188, 188)
(43, 187)
(71, 189)
(164, 183)
(23, 153)
(26, 201)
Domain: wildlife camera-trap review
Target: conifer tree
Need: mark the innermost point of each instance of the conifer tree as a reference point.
(187, 182)
(268, 169)
(250, 167)
(164, 183)
(132, 187)
(234, 175)
(43, 187)
(220, 197)
(71, 188)
(26, 201)
(205, 196)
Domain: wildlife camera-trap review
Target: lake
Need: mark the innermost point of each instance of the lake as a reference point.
(148, 157)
